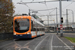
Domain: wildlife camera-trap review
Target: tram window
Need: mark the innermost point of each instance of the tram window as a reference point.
(21, 25)
(34, 29)
(42, 29)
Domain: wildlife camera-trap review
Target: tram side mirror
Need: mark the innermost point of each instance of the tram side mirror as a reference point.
(15, 21)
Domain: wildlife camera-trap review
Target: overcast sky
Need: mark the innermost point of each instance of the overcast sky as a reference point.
(20, 8)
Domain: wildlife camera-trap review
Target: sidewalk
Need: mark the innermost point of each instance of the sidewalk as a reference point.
(67, 42)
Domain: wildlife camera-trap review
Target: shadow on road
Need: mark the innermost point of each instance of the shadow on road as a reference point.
(24, 39)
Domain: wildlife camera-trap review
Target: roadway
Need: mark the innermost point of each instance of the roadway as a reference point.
(46, 42)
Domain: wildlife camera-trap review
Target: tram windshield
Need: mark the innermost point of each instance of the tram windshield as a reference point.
(21, 25)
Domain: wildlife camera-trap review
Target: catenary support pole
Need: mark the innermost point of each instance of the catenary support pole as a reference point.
(61, 26)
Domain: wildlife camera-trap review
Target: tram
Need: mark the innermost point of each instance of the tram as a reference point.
(27, 27)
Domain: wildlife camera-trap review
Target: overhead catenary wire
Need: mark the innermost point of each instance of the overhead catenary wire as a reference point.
(58, 10)
(46, 9)
(21, 1)
(32, 0)
(44, 2)
(68, 5)
(24, 4)
(37, 2)
(52, 11)
(46, 5)
(47, 15)
(52, 14)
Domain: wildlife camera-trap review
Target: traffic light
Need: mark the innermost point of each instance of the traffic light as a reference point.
(61, 19)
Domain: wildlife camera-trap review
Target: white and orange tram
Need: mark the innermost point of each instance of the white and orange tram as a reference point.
(27, 27)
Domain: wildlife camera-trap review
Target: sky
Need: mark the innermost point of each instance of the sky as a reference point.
(21, 8)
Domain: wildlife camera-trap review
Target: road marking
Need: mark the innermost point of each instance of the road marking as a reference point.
(31, 41)
(6, 44)
(13, 44)
(20, 48)
(64, 43)
(51, 42)
(26, 45)
(28, 42)
(40, 43)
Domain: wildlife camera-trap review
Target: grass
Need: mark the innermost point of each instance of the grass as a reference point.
(71, 39)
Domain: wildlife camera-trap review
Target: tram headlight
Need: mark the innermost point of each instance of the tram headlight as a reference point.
(14, 33)
(28, 33)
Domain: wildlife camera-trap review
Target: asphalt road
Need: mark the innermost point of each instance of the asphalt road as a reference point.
(45, 42)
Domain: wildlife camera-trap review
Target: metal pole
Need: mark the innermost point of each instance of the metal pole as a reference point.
(61, 30)
(29, 12)
(57, 20)
(73, 16)
(54, 25)
(48, 22)
(67, 17)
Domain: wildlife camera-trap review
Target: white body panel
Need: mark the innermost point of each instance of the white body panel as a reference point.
(33, 33)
